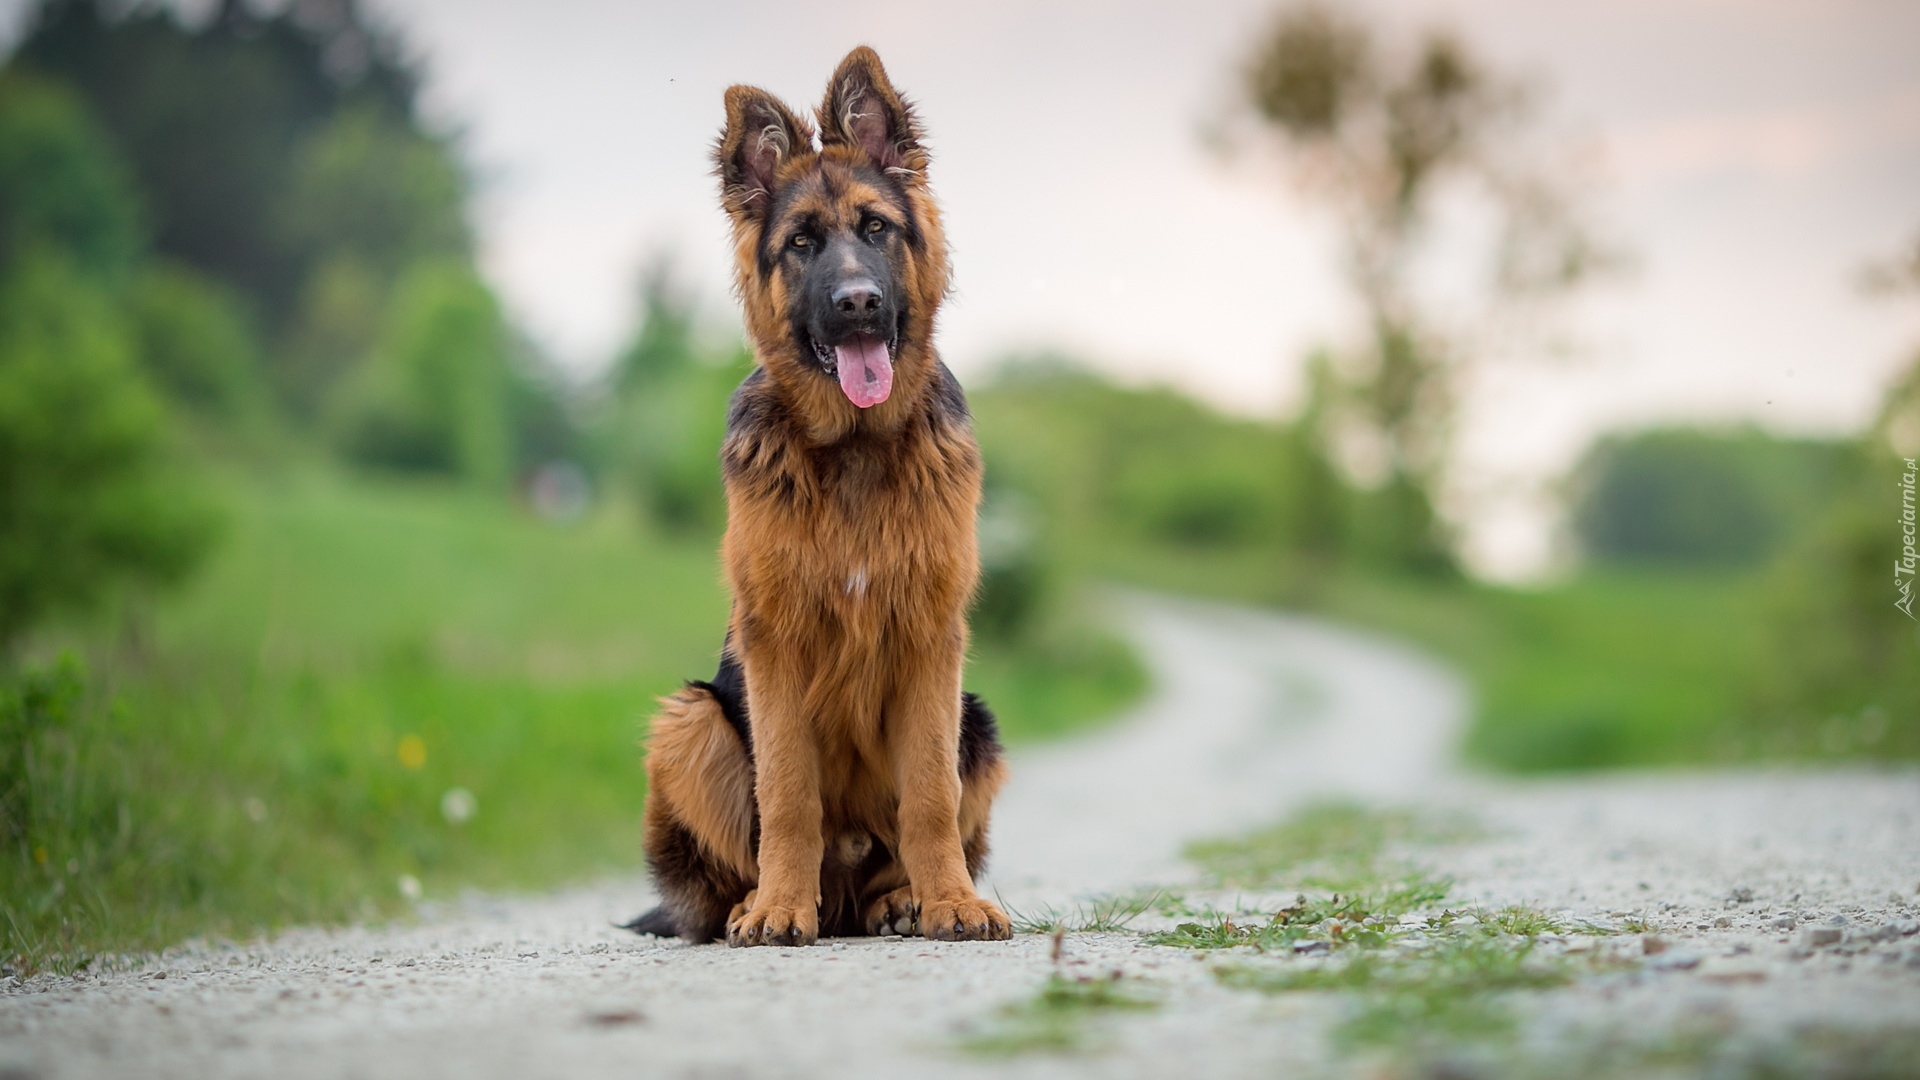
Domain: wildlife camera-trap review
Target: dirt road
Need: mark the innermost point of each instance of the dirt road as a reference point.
(1741, 876)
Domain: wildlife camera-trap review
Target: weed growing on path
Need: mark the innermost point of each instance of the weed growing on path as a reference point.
(1367, 919)
(1423, 978)
(1101, 915)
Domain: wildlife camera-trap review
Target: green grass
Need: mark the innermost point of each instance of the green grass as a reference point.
(1364, 919)
(274, 743)
(1101, 915)
(1072, 678)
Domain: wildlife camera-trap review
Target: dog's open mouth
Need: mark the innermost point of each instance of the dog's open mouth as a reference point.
(864, 365)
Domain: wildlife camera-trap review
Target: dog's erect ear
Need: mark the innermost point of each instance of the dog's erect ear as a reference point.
(760, 134)
(862, 109)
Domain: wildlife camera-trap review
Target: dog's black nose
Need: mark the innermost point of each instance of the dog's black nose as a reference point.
(858, 297)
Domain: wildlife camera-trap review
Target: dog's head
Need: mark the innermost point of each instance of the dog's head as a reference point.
(839, 255)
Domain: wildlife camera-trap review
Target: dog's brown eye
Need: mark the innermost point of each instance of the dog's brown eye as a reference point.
(801, 240)
(875, 225)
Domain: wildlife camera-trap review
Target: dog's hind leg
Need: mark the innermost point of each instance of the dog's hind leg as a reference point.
(983, 768)
(700, 821)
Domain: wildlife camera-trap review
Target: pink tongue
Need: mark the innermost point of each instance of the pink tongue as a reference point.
(866, 371)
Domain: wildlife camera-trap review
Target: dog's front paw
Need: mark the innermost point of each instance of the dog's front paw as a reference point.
(773, 924)
(967, 918)
(894, 913)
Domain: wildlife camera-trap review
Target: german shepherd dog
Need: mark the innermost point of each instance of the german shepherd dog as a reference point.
(832, 777)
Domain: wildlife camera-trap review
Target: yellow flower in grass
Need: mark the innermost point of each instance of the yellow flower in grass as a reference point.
(412, 751)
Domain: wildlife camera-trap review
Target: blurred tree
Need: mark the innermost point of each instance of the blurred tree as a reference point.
(89, 497)
(435, 394)
(663, 347)
(211, 118)
(1380, 138)
(278, 153)
(61, 186)
(370, 196)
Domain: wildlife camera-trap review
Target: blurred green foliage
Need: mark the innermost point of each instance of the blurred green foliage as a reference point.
(211, 120)
(1696, 649)
(62, 188)
(665, 412)
(1841, 672)
(90, 496)
(193, 338)
(376, 201)
(1118, 468)
(1696, 497)
(432, 396)
(313, 230)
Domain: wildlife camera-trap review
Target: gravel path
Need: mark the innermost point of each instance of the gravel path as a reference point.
(1253, 713)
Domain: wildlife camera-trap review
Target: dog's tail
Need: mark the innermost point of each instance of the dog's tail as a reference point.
(658, 922)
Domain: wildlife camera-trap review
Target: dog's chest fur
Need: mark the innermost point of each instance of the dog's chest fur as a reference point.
(862, 530)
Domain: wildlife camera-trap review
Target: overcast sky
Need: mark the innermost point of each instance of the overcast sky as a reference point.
(1751, 154)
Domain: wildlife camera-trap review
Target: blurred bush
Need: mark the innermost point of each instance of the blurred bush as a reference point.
(664, 413)
(1116, 470)
(62, 188)
(1841, 677)
(1702, 498)
(1017, 579)
(432, 395)
(315, 254)
(371, 198)
(1150, 465)
(212, 118)
(193, 339)
(90, 496)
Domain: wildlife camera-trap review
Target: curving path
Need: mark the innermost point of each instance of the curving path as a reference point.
(1253, 712)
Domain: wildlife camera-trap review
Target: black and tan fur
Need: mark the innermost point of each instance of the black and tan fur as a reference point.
(832, 778)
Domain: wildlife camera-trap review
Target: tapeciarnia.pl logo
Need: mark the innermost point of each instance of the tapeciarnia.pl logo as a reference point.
(1903, 568)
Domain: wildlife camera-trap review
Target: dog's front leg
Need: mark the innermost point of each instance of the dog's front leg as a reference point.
(924, 724)
(785, 908)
